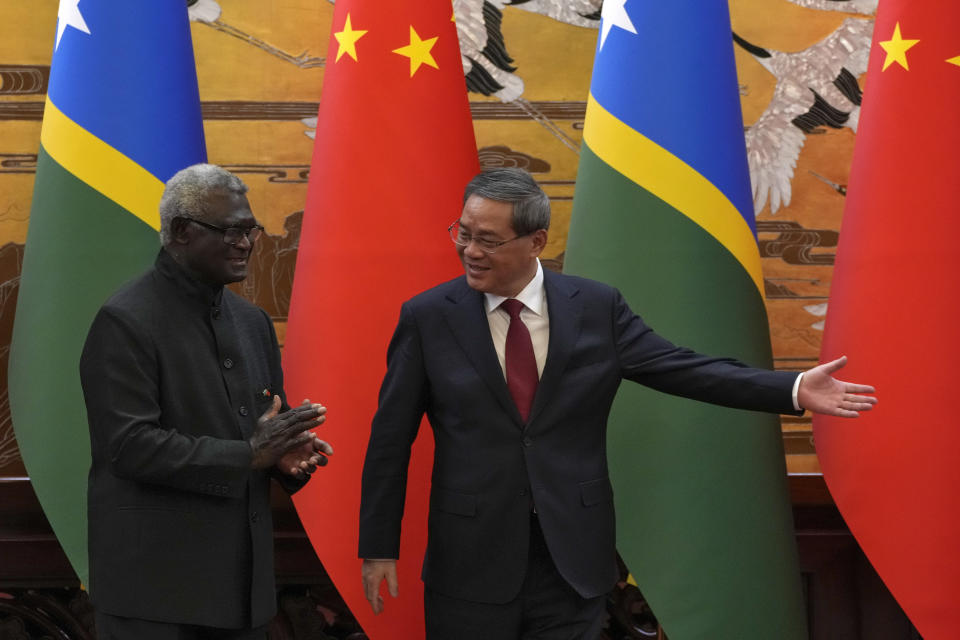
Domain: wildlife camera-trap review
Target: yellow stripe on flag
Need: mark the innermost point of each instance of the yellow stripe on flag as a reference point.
(672, 180)
(101, 166)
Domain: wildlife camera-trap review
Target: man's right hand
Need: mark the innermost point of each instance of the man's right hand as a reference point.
(276, 433)
(374, 572)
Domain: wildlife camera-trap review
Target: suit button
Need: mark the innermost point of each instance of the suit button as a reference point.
(215, 313)
(527, 442)
(243, 411)
(523, 492)
(228, 363)
(255, 517)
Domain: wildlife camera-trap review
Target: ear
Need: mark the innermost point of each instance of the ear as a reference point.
(180, 231)
(539, 238)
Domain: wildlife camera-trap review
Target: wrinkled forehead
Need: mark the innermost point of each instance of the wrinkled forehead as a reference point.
(228, 208)
(485, 215)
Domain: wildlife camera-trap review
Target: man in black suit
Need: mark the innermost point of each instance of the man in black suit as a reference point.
(188, 423)
(516, 369)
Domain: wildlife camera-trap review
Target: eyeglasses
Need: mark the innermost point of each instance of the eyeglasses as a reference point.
(461, 238)
(232, 235)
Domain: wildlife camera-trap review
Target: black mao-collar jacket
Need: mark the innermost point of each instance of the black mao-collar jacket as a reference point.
(175, 374)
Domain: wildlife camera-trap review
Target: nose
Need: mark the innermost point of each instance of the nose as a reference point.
(243, 243)
(473, 250)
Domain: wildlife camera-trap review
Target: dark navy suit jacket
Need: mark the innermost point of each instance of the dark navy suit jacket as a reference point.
(490, 467)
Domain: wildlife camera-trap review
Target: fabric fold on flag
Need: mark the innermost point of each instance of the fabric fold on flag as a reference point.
(663, 211)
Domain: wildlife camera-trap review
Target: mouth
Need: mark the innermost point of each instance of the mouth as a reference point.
(475, 269)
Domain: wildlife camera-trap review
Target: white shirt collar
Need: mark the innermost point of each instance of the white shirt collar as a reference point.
(532, 296)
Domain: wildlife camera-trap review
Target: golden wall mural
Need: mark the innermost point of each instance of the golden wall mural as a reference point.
(261, 66)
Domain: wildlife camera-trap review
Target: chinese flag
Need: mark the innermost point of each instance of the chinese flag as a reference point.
(895, 310)
(394, 150)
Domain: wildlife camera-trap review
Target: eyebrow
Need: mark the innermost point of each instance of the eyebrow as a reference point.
(478, 234)
(250, 222)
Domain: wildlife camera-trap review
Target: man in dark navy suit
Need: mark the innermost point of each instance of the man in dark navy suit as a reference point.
(516, 369)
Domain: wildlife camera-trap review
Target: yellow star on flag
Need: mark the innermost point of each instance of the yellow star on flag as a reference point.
(955, 60)
(347, 39)
(418, 51)
(896, 48)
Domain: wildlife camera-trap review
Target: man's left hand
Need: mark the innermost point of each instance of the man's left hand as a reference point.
(305, 459)
(301, 461)
(820, 392)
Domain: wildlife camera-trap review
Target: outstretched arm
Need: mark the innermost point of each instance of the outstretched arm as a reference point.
(820, 392)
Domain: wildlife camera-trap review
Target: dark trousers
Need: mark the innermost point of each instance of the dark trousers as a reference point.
(117, 628)
(547, 608)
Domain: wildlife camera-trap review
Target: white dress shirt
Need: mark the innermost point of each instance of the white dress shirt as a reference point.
(534, 315)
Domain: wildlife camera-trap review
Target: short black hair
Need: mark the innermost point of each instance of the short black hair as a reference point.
(531, 206)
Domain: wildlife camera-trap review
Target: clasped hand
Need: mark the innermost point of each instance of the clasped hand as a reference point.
(285, 440)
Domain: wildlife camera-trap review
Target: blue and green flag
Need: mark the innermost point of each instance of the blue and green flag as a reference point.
(663, 211)
(122, 116)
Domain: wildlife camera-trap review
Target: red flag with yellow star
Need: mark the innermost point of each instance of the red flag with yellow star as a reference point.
(894, 310)
(394, 150)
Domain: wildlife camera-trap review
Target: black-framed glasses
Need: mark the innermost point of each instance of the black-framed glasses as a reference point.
(232, 235)
(461, 238)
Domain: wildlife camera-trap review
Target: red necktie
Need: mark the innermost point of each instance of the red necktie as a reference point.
(521, 364)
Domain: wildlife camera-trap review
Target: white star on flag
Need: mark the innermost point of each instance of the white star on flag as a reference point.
(69, 16)
(614, 15)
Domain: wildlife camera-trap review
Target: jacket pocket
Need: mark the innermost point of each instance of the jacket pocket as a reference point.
(461, 504)
(596, 491)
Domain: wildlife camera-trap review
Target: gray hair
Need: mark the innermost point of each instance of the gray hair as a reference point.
(185, 194)
(531, 206)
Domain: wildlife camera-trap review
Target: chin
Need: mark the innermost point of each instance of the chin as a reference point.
(477, 284)
(230, 277)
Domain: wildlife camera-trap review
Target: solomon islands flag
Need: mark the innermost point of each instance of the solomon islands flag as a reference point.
(663, 211)
(122, 116)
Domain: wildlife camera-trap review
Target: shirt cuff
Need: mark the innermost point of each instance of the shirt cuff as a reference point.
(796, 389)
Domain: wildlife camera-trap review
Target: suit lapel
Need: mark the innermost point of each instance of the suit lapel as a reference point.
(467, 318)
(565, 313)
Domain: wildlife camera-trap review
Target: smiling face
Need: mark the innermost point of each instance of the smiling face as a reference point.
(508, 270)
(203, 251)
